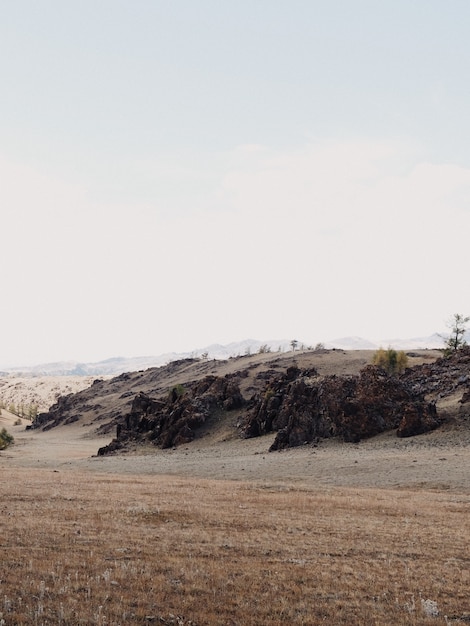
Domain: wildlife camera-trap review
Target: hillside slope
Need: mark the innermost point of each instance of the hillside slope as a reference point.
(115, 404)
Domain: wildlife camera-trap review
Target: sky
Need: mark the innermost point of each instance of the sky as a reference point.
(175, 174)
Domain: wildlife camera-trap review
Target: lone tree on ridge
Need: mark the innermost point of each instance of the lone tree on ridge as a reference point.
(456, 339)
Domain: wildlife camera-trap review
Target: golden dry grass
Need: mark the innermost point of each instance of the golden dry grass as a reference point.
(85, 548)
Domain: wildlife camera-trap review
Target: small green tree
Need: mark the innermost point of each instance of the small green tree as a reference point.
(456, 339)
(176, 392)
(5, 439)
(390, 360)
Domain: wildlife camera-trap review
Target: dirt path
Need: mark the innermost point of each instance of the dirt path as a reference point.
(433, 461)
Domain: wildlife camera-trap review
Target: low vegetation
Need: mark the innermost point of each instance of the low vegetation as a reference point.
(5, 439)
(109, 550)
(22, 410)
(392, 361)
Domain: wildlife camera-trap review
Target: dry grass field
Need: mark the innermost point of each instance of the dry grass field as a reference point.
(89, 548)
(222, 533)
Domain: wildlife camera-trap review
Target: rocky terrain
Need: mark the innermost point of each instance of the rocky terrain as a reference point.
(302, 409)
(301, 397)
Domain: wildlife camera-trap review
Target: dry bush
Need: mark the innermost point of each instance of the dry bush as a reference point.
(390, 360)
(84, 548)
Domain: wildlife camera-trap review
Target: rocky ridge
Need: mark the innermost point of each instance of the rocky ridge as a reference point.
(302, 409)
(287, 395)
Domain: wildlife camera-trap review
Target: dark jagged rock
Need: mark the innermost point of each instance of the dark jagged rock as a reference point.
(106, 402)
(302, 409)
(417, 419)
(55, 415)
(442, 377)
(174, 420)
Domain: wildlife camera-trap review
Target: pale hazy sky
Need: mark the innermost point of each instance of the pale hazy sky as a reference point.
(176, 173)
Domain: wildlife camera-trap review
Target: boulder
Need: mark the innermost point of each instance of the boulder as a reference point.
(417, 419)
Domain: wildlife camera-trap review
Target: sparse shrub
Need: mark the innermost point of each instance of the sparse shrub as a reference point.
(177, 391)
(28, 411)
(392, 361)
(264, 349)
(5, 439)
(32, 411)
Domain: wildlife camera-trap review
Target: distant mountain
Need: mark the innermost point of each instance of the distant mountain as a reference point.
(434, 341)
(118, 365)
(113, 366)
(351, 343)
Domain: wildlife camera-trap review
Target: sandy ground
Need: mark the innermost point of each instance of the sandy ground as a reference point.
(433, 461)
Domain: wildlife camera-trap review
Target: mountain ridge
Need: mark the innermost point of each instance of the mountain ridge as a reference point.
(119, 365)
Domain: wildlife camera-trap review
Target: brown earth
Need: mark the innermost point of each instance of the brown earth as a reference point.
(436, 460)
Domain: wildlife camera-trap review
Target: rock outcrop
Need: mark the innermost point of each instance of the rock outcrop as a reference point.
(68, 408)
(443, 376)
(175, 419)
(303, 408)
(285, 395)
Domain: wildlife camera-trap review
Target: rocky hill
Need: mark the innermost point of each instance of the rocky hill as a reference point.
(300, 396)
(105, 403)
